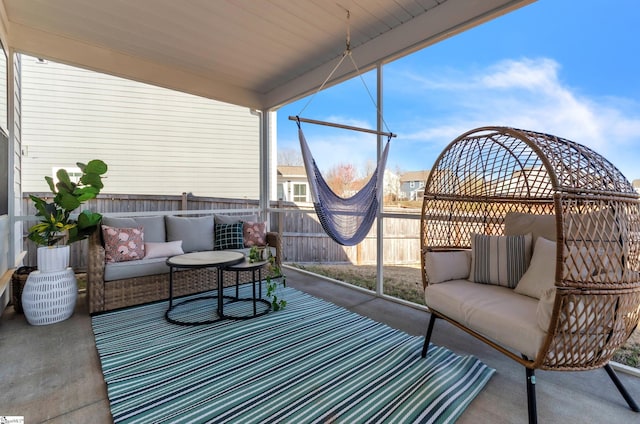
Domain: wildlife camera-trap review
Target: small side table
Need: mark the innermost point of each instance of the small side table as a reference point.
(255, 268)
(49, 297)
(208, 259)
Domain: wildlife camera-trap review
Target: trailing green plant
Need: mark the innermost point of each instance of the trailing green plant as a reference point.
(55, 216)
(275, 278)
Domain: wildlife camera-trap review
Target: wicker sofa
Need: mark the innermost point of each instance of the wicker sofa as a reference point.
(114, 285)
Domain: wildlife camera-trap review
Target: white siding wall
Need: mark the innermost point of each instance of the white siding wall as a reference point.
(155, 141)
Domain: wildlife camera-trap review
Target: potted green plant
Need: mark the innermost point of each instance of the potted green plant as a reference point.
(56, 221)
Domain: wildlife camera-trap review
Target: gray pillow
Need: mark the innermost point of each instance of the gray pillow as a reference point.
(234, 219)
(153, 226)
(196, 233)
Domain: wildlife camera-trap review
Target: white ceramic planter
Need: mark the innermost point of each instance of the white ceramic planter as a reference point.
(49, 297)
(53, 258)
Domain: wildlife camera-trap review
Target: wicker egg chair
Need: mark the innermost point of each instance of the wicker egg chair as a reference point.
(489, 172)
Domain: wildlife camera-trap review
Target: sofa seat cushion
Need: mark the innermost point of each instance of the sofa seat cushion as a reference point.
(132, 269)
(495, 312)
(123, 270)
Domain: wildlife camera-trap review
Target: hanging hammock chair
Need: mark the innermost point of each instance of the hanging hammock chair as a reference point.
(346, 220)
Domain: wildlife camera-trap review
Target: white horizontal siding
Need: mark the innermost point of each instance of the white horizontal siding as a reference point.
(155, 141)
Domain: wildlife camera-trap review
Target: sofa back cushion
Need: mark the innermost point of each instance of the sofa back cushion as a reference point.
(234, 219)
(524, 223)
(152, 226)
(196, 233)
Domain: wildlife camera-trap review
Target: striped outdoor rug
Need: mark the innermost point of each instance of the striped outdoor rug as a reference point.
(313, 362)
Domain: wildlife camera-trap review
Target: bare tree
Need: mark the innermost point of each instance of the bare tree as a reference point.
(340, 178)
(289, 157)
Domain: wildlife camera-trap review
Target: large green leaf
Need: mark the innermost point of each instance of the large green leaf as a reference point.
(85, 193)
(68, 201)
(92, 179)
(96, 166)
(64, 182)
(88, 219)
(52, 185)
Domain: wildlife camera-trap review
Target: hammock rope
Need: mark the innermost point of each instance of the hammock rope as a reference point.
(346, 220)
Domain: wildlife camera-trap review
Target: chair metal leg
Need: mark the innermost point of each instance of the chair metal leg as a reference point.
(531, 396)
(623, 391)
(427, 338)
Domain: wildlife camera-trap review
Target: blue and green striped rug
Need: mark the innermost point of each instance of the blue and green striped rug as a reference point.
(313, 362)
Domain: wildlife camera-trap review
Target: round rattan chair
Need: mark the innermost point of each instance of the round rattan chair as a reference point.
(489, 172)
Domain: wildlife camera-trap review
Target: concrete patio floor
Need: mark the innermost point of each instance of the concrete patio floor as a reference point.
(52, 373)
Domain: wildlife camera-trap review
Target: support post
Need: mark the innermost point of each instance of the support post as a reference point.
(379, 219)
(265, 162)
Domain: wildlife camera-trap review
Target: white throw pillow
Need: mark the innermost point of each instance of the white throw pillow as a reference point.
(541, 274)
(499, 260)
(446, 266)
(162, 249)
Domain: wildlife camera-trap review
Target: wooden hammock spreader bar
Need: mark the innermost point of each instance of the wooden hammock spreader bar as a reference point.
(346, 127)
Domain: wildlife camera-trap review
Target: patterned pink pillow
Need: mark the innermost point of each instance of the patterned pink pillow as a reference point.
(254, 233)
(123, 244)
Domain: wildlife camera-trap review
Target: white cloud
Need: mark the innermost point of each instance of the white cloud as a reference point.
(528, 94)
(429, 110)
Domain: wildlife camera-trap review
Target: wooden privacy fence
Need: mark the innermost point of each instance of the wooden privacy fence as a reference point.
(303, 239)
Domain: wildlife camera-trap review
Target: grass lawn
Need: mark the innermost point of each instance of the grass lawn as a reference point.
(406, 283)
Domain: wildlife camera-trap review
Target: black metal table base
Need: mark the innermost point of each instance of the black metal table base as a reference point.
(220, 297)
(187, 323)
(255, 301)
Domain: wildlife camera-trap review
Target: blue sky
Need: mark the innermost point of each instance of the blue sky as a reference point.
(565, 67)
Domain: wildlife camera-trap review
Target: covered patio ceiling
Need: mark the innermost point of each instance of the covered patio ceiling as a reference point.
(255, 53)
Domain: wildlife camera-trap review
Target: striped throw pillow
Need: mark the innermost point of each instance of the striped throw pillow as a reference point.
(499, 260)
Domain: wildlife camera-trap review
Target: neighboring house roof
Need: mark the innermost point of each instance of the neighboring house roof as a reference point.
(291, 171)
(414, 176)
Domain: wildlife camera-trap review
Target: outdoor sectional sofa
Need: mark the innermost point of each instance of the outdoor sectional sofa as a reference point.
(117, 278)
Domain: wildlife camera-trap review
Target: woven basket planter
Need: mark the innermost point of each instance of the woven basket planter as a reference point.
(18, 280)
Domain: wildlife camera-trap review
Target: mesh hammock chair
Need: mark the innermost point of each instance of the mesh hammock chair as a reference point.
(346, 220)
